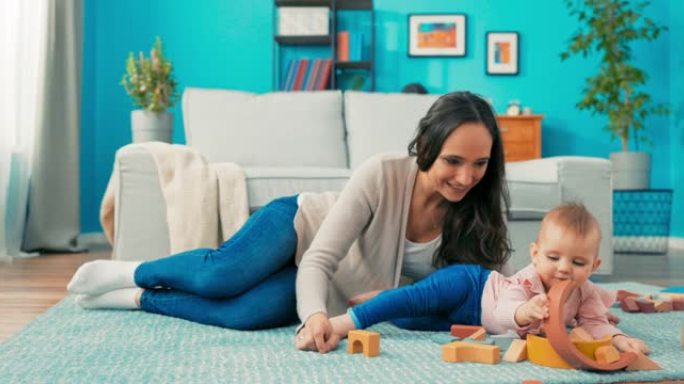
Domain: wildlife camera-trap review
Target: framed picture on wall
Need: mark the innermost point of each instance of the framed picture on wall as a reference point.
(502, 53)
(437, 35)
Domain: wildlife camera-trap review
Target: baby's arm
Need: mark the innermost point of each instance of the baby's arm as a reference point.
(342, 324)
(535, 309)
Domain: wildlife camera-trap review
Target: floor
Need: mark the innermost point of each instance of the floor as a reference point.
(30, 286)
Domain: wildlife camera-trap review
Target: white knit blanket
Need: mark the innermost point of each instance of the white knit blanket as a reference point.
(205, 203)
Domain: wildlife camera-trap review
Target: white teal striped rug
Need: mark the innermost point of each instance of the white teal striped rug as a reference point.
(71, 345)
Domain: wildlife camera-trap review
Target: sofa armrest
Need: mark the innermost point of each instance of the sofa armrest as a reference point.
(538, 185)
(140, 222)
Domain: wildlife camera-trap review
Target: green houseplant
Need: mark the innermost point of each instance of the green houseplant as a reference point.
(150, 83)
(608, 28)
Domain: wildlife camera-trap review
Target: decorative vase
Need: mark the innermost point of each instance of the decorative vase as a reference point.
(631, 170)
(151, 126)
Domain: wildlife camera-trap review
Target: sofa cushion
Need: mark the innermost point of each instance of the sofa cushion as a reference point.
(267, 183)
(252, 129)
(381, 122)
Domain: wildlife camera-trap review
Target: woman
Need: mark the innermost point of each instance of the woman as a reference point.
(398, 215)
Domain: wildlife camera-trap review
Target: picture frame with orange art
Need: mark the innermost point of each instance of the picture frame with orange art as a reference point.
(431, 35)
(503, 53)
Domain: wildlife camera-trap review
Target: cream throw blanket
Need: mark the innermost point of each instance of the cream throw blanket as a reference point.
(198, 197)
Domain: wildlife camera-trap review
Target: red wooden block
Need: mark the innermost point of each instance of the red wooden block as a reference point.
(677, 304)
(629, 305)
(622, 294)
(646, 305)
(464, 331)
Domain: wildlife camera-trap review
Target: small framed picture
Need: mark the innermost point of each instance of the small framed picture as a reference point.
(437, 35)
(502, 53)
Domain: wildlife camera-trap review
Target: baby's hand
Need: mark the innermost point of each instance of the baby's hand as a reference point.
(536, 309)
(630, 344)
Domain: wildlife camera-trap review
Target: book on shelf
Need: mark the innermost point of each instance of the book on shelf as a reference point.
(302, 67)
(290, 73)
(343, 46)
(324, 79)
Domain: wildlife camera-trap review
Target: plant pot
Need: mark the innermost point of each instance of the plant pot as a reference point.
(631, 170)
(151, 126)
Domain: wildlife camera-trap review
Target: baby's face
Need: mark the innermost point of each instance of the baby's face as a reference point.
(561, 254)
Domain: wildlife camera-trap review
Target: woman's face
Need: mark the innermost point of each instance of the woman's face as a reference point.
(462, 161)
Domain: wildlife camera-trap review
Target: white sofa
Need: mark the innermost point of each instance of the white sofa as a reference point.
(311, 141)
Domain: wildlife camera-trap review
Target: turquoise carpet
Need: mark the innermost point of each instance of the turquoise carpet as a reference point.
(71, 345)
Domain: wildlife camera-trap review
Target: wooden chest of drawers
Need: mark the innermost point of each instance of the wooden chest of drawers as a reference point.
(521, 136)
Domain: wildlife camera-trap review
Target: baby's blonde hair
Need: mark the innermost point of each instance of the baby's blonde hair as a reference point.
(574, 216)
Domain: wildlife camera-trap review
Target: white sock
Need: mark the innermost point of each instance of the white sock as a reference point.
(117, 299)
(100, 276)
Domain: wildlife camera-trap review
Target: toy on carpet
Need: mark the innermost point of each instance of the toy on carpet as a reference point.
(461, 351)
(363, 341)
(560, 340)
(661, 302)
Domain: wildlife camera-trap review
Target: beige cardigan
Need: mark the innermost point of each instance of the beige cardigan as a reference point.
(360, 242)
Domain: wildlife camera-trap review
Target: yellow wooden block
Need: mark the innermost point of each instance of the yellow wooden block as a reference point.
(580, 334)
(460, 351)
(540, 351)
(607, 354)
(363, 341)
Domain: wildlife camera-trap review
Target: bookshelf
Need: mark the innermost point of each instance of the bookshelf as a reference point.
(362, 64)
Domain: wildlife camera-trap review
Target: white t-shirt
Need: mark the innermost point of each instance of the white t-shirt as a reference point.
(418, 258)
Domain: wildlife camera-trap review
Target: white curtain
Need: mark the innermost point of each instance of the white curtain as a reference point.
(23, 50)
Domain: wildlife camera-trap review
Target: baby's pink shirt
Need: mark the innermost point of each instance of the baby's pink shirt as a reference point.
(586, 306)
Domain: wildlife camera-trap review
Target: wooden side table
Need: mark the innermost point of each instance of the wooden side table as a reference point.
(521, 136)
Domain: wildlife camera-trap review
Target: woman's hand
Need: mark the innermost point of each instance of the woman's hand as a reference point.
(630, 344)
(362, 298)
(317, 335)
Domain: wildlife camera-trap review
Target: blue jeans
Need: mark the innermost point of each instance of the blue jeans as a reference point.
(247, 283)
(451, 295)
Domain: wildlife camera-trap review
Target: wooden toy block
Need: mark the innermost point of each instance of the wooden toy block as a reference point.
(560, 340)
(621, 294)
(532, 382)
(464, 331)
(580, 334)
(645, 305)
(480, 334)
(643, 363)
(682, 337)
(459, 351)
(516, 352)
(629, 305)
(607, 354)
(363, 341)
(677, 304)
(663, 306)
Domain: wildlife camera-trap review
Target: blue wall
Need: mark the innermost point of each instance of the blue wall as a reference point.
(218, 43)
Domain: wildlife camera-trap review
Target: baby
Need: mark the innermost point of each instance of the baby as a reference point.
(566, 249)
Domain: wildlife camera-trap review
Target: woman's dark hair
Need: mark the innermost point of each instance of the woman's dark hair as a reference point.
(474, 229)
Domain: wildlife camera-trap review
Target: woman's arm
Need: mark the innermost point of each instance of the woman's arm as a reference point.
(346, 220)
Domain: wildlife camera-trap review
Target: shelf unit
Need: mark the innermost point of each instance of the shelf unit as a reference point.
(338, 67)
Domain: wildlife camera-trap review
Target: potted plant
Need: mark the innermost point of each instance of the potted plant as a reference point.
(150, 83)
(608, 28)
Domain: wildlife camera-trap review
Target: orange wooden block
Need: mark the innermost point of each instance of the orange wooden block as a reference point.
(532, 382)
(460, 351)
(363, 341)
(516, 352)
(663, 306)
(643, 363)
(480, 334)
(580, 334)
(464, 331)
(607, 354)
